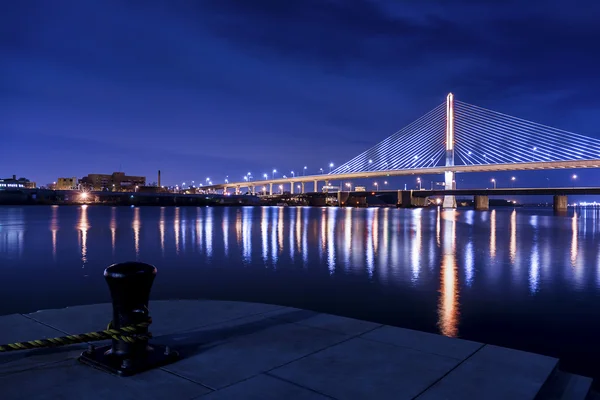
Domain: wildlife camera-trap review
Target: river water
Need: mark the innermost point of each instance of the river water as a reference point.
(521, 278)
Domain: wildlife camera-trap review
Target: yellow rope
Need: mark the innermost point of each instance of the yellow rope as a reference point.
(127, 334)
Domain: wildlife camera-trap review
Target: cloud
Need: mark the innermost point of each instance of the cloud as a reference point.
(481, 46)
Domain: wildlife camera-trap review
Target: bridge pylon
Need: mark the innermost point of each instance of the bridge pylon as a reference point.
(449, 176)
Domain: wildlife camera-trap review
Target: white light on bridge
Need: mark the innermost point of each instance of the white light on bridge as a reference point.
(370, 161)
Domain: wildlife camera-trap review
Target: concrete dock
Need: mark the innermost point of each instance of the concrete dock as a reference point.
(237, 350)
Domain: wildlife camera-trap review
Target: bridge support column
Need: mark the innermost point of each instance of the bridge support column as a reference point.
(560, 203)
(271, 189)
(482, 203)
(405, 198)
(302, 187)
(316, 186)
(253, 190)
(237, 190)
(291, 187)
(449, 177)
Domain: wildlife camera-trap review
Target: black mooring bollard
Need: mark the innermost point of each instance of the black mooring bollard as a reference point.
(130, 284)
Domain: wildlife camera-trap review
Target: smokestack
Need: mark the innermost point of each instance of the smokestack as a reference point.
(159, 178)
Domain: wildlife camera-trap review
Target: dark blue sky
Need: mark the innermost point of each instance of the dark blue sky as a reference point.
(213, 88)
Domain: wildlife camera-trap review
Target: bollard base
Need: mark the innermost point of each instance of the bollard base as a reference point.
(102, 358)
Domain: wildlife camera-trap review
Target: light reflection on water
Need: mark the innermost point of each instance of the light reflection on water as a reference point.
(447, 271)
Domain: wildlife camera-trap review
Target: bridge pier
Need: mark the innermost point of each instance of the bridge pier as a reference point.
(291, 187)
(316, 186)
(481, 203)
(407, 200)
(253, 190)
(343, 198)
(449, 176)
(271, 189)
(302, 187)
(560, 203)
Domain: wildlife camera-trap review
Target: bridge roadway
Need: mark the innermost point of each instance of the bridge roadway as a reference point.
(530, 166)
(562, 191)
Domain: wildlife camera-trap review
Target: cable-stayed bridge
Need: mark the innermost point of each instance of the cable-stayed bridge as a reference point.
(455, 137)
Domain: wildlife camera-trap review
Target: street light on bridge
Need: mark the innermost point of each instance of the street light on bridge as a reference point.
(321, 169)
(265, 176)
(330, 167)
(419, 182)
(273, 175)
(305, 170)
(494, 182)
(574, 179)
(376, 185)
(513, 179)
(293, 175)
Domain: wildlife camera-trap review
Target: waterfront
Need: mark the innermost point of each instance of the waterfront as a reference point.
(518, 278)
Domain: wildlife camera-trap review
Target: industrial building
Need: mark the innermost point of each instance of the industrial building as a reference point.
(117, 181)
(14, 183)
(66, 184)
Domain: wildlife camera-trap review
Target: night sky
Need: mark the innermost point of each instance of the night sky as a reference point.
(214, 88)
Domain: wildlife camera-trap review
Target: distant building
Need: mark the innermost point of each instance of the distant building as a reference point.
(14, 183)
(117, 181)
(66, 183)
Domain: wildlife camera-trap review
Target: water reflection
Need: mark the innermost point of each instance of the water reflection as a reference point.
(199, 235)
(225, 228)
(305, 240)
(274, 218)
(298, 229)
(513, 236)
(493, 234)
(246, 234)
(83, 227)
(176, 228)
(395, 245)
(347, 237)
(534, 264)
(331, 239)
(574, 240)
(264, 229)
(12, 227)
(417, 242)
(208, 231)
(54, 229)
(370, 252)
(136, 231)
(113, 229)
(448, 304)
(161, 229)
